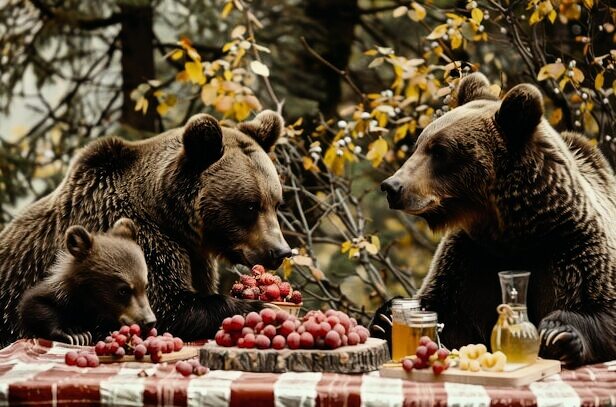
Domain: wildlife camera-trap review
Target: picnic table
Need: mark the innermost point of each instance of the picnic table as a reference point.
(33, 373)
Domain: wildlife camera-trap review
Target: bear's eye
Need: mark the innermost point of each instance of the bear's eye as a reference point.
(252, 207)
(439, 152)
(124, 292)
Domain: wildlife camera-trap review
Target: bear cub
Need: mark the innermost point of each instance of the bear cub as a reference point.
(98, 283)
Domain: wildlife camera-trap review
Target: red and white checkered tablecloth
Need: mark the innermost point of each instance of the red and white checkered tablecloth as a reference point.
(33, 373)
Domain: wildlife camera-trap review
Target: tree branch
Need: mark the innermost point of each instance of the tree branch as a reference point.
(70, 20)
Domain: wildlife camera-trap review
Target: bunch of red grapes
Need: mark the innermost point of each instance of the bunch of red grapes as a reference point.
(264, 286)
(428, 354)
(127, 340)
(81, 359)
(188, 367)
(277, 330)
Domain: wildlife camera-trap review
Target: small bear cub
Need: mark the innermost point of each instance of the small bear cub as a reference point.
(99, 283)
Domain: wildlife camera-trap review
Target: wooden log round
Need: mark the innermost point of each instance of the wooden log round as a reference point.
(361, 358)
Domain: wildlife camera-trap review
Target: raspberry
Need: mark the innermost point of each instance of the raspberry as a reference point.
(184, 368)
(266, 279)
(285, 289)
(70, 358)
(407, 365)
(248, 281)
(272, 292)
(257, 270)
(293, 340)
(140, 351)
(262, 342)
(237, 323)
(237, 289)
(252, 319)
(306, 340)
(296, 297)
(100, 348)
(124, 330)
(332, 340)
(249, 294)
(278, 342)
(135, 330)
(268, 315)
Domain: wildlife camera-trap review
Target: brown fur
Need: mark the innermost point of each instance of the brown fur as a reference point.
(193, 201)
(514, 194)
(96, 285)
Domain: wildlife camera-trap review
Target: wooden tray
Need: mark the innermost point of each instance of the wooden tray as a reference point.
(347, 359)
(521, 376)
(187, 352)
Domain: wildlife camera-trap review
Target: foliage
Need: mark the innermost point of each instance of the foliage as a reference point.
(393, 75)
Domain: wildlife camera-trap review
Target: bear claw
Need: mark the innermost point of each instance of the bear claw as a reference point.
(561, 341)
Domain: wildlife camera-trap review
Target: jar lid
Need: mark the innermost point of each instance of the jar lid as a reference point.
(406, 303)
(422, 317)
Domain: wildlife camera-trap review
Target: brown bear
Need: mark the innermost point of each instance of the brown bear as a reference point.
(198, 192)
(98, 283)
(514, 194)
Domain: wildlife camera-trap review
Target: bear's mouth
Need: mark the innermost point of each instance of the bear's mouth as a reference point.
(417, 205)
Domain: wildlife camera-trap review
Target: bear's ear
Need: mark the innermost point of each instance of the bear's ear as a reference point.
(125, 228)
(520, 113)
(265, 128)
(202, 141)
(473, 87)
(78, 241)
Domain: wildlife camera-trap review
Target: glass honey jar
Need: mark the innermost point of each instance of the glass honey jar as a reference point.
(400, 330)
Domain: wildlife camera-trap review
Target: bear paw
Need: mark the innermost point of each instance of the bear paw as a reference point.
(380, 326)
(74, 338)
(561, 341)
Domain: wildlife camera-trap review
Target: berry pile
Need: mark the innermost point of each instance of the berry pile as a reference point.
(277, 330)
(81, 359)
(427, 354)
(264, 286)
(188, 367)
(127, 340)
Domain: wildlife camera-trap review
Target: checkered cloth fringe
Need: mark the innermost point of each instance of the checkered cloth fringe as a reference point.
(33, 373)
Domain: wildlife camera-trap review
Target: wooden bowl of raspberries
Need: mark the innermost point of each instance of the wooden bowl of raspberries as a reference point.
(265, 286)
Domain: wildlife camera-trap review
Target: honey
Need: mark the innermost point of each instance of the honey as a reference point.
(421, 323)
(400, 340)
(514, 334)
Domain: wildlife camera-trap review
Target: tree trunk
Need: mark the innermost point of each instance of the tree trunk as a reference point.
(137, 36)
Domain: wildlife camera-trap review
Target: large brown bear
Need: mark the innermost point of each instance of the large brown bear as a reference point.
(512, 193)
(197, 192)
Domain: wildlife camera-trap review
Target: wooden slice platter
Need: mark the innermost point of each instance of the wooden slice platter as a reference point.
(361, 358)
(186, 352)
(513, 376)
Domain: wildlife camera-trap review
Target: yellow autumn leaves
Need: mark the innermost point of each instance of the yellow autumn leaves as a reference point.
(371, 244)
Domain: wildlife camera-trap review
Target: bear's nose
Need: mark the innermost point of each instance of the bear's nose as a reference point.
(148, 324)
(392, 187)
(279, 254)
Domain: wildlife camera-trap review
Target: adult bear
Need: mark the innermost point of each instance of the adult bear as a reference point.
(197, 192)
(512, 193)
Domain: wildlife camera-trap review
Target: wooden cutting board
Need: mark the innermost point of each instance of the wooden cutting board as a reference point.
(514, 377)
(186, 352)
(361, 358)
